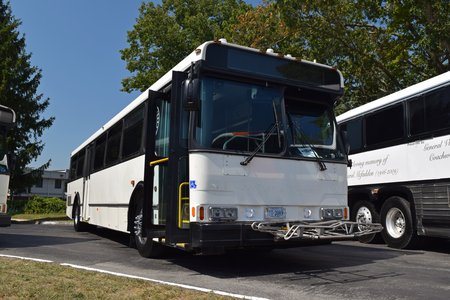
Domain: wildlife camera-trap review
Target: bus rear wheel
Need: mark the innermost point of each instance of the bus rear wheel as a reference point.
(78, 225)
(144, 244)
(365, 212)
(398, 226)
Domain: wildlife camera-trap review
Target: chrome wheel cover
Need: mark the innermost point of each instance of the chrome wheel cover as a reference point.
(363, 215)
(395, 223)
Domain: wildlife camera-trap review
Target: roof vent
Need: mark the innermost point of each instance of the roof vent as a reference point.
(223, 41)
(269, 50)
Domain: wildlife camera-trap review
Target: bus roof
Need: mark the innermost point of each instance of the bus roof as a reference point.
(196, 55)
(408, 92)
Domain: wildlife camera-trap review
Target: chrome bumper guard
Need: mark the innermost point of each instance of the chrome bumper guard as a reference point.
(323, 230)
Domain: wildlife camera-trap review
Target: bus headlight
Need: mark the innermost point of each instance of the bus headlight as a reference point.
(223, 213)
(332, 213)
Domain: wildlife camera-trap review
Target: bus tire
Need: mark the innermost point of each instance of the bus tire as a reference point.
(364, 211)
(145, 245)
(78, 225)
(398, 226)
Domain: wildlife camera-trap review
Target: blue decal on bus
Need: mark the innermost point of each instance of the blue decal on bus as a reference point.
(192, 184)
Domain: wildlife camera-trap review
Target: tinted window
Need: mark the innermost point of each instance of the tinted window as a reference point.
(132, 136)
(73, 166)
(113, 144)
(80, 164)
(385, 125)
(354, 134)
(99, 157)
(431, 112)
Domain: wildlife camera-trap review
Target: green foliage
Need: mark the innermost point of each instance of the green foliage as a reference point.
(19, 82)
(379, 46)
(16, 206)
(36, 205)
(164, 34)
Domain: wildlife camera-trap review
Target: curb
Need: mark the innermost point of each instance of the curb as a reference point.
(46, 221)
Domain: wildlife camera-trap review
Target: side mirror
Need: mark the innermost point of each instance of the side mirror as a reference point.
(344, 137)
(190, 94)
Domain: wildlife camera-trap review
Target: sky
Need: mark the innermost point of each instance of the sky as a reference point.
(76, 45)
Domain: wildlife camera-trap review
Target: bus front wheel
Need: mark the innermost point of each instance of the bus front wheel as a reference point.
(144, 244)
(365, 212)
(398, 226)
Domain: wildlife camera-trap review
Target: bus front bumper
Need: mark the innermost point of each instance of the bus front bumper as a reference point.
(238, 236)
(243, 235)
(5, 220)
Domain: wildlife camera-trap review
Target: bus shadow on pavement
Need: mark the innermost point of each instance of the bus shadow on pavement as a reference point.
(317, 264)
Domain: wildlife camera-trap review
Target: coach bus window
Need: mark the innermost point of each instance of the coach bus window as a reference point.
(99, 157)
(237, 116)
(430, 113)
(113, 144)
(378, 130)
(354, 134)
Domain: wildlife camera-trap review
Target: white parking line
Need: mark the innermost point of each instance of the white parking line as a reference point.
(190, 287)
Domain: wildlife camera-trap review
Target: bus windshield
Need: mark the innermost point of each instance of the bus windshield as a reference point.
(242, 117)
(238, 116)
(312, 130)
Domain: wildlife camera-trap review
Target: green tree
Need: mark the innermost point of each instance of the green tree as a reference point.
(19, 81)
(380, 46)
(164, 34)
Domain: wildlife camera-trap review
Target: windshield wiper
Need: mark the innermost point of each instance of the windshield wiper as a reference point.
(306, 142)
(263, 142)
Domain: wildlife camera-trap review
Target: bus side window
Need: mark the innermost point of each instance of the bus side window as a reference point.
(379, 131)
(354, 134)
(113, 144)
(132, 134)
(99, 155)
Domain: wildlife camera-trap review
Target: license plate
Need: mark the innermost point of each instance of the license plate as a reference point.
(275, 213)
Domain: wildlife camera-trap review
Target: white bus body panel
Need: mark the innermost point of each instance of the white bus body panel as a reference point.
(298, 186)
(109, 194)
(421, 160)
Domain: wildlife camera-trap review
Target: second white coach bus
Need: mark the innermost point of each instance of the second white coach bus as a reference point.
(400, 150)
(232, 148)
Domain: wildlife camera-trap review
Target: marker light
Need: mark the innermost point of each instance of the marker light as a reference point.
(201, 213)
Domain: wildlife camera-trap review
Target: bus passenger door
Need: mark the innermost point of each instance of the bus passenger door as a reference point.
(156, 157)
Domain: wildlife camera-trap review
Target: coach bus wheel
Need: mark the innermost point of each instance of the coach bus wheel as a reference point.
(145, 245)
(396, 218)
(77, 224)
(365, 212)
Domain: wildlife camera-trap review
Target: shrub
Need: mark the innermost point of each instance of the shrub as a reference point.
(16, 206)
(41, 205)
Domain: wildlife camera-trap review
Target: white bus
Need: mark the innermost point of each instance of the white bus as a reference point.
(400, 150)
(232, 148)
(7, 119)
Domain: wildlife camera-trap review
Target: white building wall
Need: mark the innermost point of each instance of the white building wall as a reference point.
(48, 188)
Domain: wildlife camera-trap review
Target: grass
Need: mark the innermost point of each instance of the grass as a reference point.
(35, 217)
(22, 279)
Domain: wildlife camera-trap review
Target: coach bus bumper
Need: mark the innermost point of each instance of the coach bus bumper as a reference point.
(5, 220)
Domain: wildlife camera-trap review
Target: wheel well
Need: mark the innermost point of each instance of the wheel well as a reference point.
(132, 204)
(355, 195)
